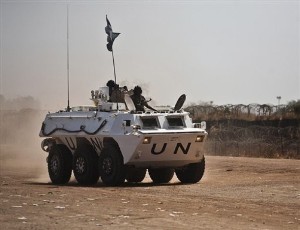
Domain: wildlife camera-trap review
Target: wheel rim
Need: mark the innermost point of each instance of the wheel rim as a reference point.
(80, 165)
(107, 166)
(55, 165)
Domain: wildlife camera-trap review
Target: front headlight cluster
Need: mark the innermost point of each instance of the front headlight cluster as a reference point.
(147, 140)
(199, 138)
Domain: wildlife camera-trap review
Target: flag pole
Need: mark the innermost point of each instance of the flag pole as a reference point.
(112, 54)
(111, 36)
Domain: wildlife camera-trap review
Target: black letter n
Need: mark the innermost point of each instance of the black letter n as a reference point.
(179, 145)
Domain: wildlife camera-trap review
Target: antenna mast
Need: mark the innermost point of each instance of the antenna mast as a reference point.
(68, 65)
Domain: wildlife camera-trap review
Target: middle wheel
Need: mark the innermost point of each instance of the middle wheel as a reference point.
(135, 175)
(161, 175)
(111, 166)
(85, 165)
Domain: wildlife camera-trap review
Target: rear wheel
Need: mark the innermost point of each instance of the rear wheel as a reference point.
(60, 164)
(191, 173)
(135, 175)
(111, 166)
(85, 165)
(161, 175)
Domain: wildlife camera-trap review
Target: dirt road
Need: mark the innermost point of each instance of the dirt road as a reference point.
(235, 193)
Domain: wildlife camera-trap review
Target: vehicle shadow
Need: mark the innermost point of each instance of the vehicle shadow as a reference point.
(102, 185)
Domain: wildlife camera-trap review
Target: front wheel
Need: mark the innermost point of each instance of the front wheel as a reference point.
(111, 166)
(60, 164)
(161, 175)
(191, 173)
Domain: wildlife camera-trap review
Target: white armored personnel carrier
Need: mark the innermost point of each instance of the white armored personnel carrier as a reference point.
(117, 143)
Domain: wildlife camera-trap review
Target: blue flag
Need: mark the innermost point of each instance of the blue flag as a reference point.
(111, 36)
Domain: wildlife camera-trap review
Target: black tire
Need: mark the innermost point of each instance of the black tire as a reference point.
(191, 173)
(135, 175)
(85, 165)
(111, 166)
(59, 164)
(161, 175)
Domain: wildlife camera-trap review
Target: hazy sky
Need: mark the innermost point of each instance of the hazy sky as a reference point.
(228, 52)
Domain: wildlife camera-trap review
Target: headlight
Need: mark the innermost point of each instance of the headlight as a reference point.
(199, 138)
(147, 140)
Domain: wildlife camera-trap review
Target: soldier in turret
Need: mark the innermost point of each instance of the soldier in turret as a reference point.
(111, 85)
(139, 100)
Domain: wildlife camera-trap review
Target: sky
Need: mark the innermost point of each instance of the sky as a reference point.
(227, 52)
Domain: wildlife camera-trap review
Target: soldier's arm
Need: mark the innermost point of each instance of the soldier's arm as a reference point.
(148, 106)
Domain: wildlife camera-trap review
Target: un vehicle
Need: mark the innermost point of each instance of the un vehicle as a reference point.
(112, 141)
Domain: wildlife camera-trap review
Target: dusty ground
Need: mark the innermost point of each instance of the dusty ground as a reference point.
(235, 193)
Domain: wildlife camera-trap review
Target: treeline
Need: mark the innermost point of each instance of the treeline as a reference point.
(208, 111)
(251, 130)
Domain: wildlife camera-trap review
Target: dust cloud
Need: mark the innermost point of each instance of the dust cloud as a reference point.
(20, 123)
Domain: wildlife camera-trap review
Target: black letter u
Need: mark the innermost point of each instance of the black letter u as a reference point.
(161, 151)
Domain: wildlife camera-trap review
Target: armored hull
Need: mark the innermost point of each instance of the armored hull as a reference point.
(117, 144)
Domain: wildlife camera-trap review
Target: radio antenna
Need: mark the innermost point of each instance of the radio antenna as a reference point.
(68, 64)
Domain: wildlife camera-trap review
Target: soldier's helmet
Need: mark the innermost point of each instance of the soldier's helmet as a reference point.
(137, 90)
